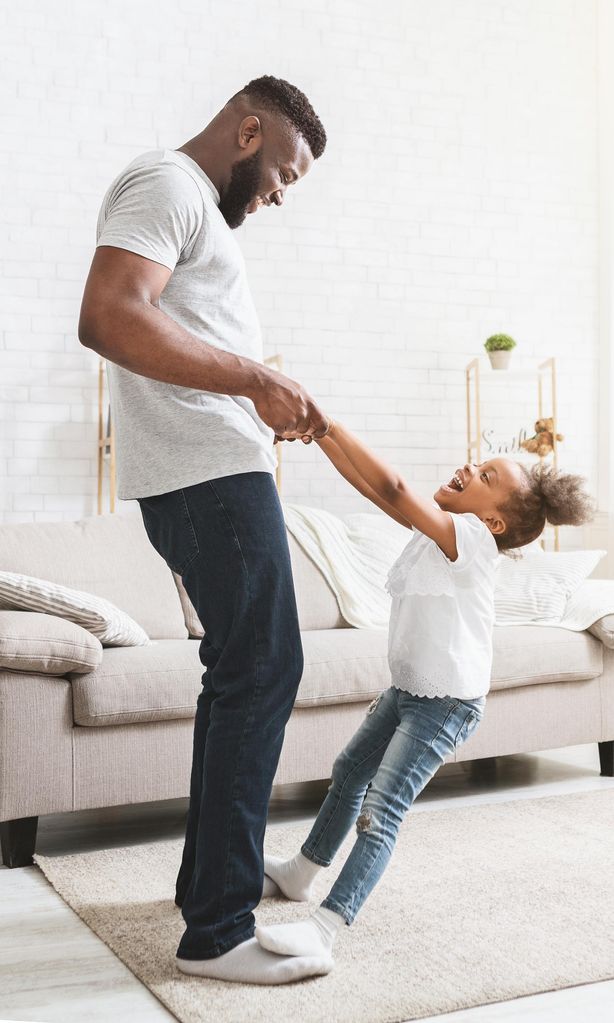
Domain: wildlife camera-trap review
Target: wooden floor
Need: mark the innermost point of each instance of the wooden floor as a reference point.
(53, 968)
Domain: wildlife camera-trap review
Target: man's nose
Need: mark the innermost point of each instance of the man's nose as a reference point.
(277, 198)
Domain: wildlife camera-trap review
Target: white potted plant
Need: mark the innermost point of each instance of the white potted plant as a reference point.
(499, 348)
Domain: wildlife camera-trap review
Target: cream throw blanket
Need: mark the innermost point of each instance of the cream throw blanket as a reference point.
(355, 554)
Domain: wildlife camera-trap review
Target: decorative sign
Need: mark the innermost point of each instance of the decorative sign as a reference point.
(494, 446)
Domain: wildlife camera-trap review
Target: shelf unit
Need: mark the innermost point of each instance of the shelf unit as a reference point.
(542, 377)
(106, 438)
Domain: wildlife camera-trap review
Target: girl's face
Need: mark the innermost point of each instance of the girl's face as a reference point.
(482, 489)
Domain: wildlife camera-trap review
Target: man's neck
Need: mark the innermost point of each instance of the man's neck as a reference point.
(205, 150)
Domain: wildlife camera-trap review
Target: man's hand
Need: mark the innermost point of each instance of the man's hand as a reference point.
(287, 408)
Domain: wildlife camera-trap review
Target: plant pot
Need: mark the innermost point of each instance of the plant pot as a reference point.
(499, 359)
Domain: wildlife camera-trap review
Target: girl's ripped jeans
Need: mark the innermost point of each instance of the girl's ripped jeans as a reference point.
(397, 749)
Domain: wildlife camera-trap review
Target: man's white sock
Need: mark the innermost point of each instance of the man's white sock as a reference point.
(248, 963)
(294, 876)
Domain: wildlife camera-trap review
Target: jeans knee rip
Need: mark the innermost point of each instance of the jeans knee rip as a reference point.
(364, 821)
(373, 704)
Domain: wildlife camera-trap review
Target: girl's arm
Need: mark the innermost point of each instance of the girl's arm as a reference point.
(345, 467)
(383, 485)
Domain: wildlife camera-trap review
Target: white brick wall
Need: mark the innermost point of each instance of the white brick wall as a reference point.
(457, 197)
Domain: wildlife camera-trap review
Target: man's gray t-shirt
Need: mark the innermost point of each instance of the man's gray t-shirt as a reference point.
(164, 207)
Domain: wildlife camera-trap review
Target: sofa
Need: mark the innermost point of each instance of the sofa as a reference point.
(121, 732)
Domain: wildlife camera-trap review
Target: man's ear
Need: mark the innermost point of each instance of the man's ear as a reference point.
(495, 524)
(250, 129)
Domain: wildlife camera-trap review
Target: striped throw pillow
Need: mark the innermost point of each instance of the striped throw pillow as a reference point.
(103, 619)
(536, 588)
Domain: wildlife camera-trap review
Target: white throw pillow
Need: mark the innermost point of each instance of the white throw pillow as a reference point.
(103, 619)
(537, 587)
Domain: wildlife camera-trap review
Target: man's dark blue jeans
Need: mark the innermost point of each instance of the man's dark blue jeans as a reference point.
(227, 540)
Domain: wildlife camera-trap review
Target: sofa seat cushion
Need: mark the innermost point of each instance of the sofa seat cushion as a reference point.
(526, 655)
(163, 680)
(147, 683)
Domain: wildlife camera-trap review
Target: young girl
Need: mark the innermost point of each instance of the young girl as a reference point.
(440, 658)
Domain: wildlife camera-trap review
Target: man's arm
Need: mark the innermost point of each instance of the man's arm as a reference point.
(121, 320)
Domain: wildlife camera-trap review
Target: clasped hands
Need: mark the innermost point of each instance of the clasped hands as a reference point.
(308, 436)
(287, 408)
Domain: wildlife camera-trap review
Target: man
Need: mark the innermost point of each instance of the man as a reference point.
(196, 414)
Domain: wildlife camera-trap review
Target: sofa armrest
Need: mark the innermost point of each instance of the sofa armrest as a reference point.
(45, 644)
(36, 762)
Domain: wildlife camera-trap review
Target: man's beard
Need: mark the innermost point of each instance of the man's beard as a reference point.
(242, 189)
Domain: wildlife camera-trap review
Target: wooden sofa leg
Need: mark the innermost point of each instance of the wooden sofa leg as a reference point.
(606, 758)
(18, 841)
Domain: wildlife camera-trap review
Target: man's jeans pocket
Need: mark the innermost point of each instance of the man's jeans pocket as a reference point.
(168, 525)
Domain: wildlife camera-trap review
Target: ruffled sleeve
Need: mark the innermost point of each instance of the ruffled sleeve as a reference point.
(472, 537)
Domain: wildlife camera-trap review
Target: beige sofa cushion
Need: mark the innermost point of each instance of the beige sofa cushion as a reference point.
(163, 680)
(148, 683)
(603, 629)
(41, 643)
(191, 619)
(107, 555)
(316, 602)
(526, 655)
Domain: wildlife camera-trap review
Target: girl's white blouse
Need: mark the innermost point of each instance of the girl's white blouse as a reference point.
(442, 615)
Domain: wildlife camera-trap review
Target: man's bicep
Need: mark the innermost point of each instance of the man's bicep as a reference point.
(117, 277)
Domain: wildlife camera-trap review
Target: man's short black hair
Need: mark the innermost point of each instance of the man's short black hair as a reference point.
(280, 96)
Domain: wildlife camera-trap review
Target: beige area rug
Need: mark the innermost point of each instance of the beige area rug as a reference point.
(479, 904)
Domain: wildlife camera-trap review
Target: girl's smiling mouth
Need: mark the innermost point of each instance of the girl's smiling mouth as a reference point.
(456, 484)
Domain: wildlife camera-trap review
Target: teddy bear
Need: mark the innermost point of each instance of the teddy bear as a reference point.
(543, 441)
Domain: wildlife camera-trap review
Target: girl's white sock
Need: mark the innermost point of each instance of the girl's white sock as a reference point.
(270, 889)
(312, 937)
(294, 876)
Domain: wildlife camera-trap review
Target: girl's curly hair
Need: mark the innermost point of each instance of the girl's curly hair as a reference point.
(548, 495)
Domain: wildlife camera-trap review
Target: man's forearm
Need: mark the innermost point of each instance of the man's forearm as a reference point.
(143, 339)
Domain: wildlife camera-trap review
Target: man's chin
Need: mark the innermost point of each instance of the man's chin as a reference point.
(235, 220)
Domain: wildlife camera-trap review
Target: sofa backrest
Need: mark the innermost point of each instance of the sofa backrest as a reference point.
(109, 555)
(316, 602)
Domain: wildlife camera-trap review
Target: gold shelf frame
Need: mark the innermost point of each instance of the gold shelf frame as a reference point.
(545, 374)
(106, 440)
